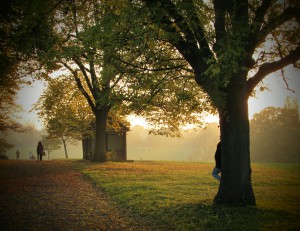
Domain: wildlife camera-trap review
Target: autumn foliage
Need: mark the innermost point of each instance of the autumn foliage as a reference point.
(51, 195)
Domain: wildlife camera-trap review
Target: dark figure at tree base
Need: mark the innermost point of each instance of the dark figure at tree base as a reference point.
(39, 151)
(217, 169)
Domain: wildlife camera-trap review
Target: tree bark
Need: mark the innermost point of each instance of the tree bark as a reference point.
(100, 142)
(235, 186)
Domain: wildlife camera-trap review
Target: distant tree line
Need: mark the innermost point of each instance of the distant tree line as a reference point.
(275, 134)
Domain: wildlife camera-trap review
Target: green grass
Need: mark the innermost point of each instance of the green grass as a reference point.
(178, 195)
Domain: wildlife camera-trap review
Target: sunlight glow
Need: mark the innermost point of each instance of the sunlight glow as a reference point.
(140, 121)
(137, 121)
(28, 95)
(212, 119)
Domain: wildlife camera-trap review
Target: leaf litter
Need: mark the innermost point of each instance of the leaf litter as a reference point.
(53, 195)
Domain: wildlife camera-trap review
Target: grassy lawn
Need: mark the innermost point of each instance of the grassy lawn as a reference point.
(179, 195)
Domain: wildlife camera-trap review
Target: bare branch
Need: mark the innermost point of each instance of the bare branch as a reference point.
(286, 15)
(259, 15)
(83, 71)
(267, 68)
(285, 81)
(220, 9)
(80, 86)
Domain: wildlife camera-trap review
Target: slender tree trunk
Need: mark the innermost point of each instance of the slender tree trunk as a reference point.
(65, 148)
(84, 144)
(235, 185)
(100, 142)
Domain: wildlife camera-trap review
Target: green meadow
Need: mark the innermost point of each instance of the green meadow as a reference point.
(179, 195)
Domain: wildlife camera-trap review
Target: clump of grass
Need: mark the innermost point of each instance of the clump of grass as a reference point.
(179, 195)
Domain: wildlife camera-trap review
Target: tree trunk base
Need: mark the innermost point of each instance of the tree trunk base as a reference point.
(245, 199)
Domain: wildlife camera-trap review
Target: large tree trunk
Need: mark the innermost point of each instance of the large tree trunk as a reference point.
(100, 142)
(235, 185)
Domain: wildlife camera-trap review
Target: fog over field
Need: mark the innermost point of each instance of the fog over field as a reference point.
(269, 142)
(193, 145)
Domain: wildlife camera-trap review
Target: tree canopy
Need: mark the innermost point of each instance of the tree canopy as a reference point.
(230, 47)
(114, 66)
(64, 110)
(12, 55)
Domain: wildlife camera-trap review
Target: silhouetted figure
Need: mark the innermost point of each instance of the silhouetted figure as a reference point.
(217, 169)
(18, 154)
(39, 151)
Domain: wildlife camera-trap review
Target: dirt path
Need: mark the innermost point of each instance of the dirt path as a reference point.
(51, 195)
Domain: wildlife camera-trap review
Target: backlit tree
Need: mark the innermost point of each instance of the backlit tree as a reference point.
(230, 46)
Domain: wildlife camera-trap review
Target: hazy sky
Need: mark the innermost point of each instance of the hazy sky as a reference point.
(30, 94)
(183, 148)
(278, 93)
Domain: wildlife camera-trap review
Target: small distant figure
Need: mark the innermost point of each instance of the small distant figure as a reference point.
(31, 156)
(18, 154)
(39, 151)
(217, 169)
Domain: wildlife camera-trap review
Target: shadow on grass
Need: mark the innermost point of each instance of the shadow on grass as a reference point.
(220, 218)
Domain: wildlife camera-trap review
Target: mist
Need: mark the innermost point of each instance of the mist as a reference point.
(26, 142)
(193, 145)
(269, 143)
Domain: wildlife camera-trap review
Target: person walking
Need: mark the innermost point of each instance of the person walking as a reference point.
(217, 169)
(39, 151)
(18, 154)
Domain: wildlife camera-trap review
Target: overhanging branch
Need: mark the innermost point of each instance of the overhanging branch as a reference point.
(286, 15)
(80, 86)
(268, 68)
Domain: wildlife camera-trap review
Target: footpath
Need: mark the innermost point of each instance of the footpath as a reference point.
(53, 195)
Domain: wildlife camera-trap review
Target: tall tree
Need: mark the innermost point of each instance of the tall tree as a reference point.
(10, 81)
(68, 36)
(64, 111)
(50, 144)
(20, 35)
(230, 46)
(87, 38)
